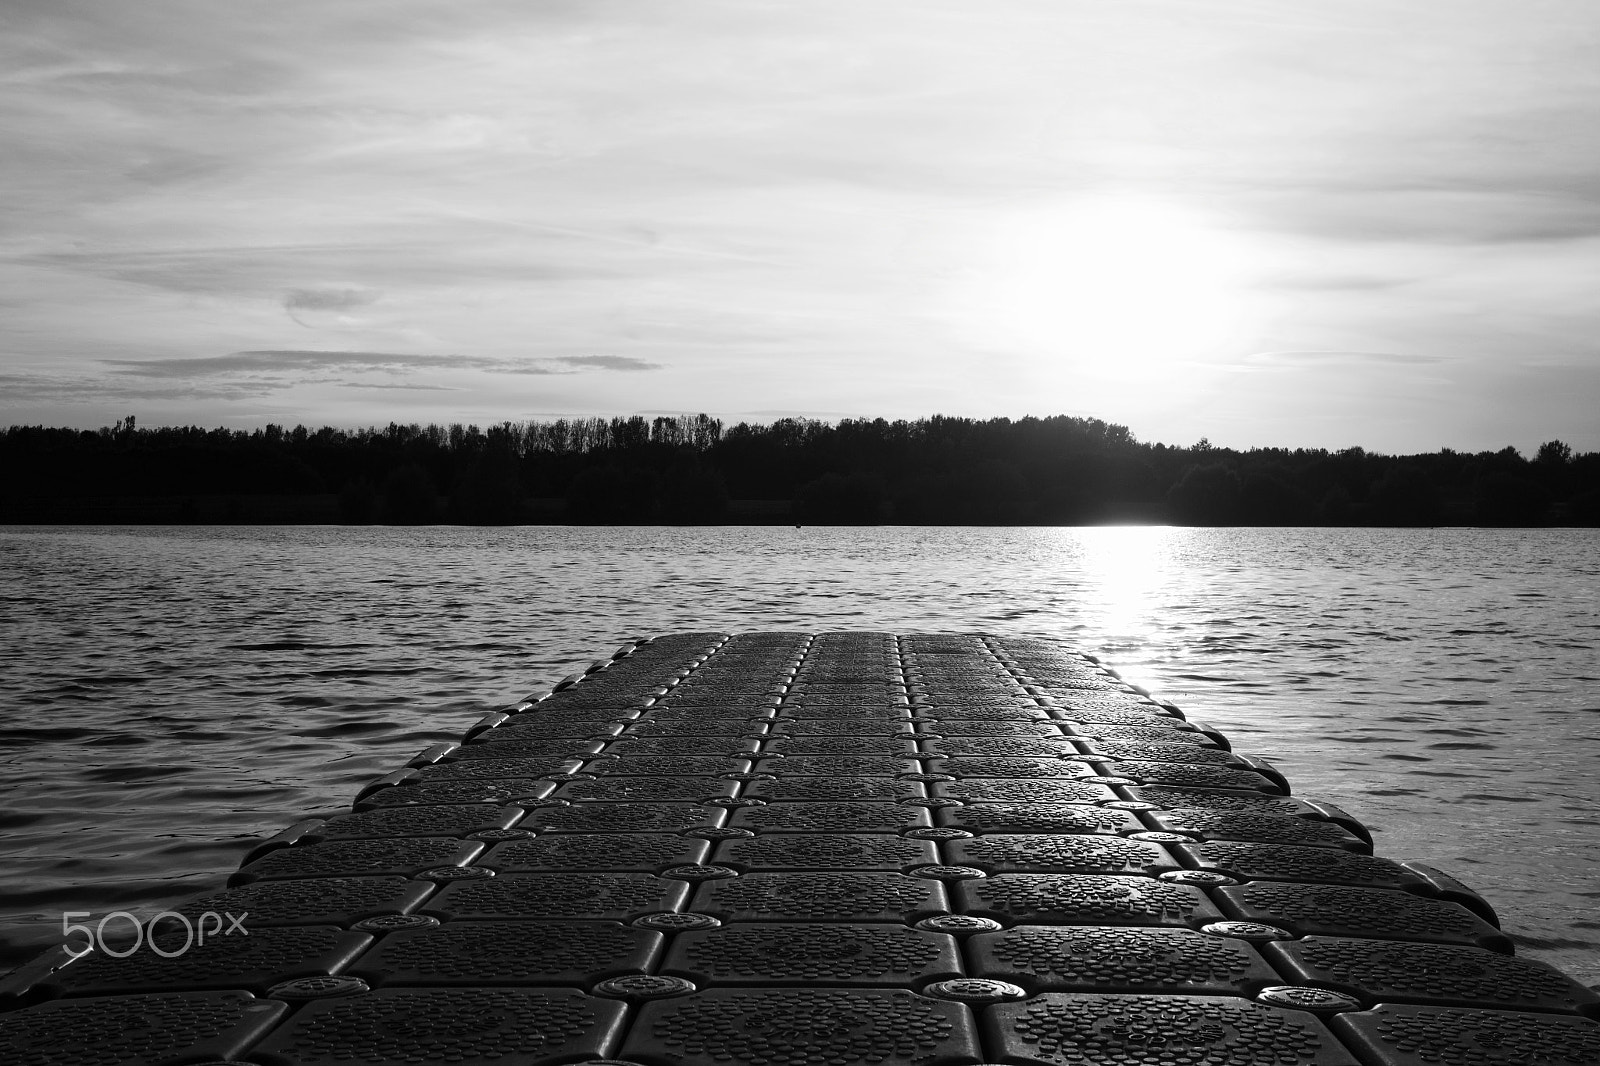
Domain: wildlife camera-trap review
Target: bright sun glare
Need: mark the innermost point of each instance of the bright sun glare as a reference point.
(1128, 286)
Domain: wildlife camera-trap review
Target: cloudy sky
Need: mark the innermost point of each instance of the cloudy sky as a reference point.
(1266, 222)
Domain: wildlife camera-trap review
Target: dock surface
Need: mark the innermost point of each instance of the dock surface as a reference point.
(794, 849)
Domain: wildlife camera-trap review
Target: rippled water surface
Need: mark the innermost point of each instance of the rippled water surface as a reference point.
(169, 695)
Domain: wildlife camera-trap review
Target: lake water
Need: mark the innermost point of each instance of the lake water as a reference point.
(168, 695)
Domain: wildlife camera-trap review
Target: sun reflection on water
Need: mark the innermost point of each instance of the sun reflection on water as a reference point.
(1124, 570)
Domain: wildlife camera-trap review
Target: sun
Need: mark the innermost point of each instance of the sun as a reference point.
(1124, 286)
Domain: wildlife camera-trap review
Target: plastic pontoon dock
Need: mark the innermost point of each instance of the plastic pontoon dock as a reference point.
(788, 849)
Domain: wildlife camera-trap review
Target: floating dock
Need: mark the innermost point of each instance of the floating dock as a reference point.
(789, 849)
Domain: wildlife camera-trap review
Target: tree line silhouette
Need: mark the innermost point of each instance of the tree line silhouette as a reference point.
(1058, 470)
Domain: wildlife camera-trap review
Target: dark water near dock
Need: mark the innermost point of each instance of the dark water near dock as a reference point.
(168, 695)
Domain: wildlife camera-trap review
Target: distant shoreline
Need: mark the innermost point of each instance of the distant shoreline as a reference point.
(691, 470)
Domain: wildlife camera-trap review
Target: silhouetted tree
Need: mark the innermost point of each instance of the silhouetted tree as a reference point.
(850, 499)
(409, 497)
(1205, 496)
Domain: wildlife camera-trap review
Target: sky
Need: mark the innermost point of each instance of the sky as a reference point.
(1291, 223)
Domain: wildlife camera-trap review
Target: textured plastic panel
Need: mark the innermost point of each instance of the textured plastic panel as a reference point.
(419, 821)
(1073, 899)
(469, 1027)
(399, 855)
(821, 897)
(1111, 959)
(491, 792)
(315, 901)
(1108, 1030)
(1278, 862)
(824, 851)
(1339, 910)
(1055, 853)
(1038, 818)
(250, 959)
(1391, 971)
(803, 1027)
(809, 954)
(623, 818)
(612, 896)
(830, 818)
(149, 1030)
(596, 852)
(1404, 1035)
(511, 953)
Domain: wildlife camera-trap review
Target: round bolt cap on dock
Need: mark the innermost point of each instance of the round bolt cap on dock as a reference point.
(1259, 931)
(644, 986)
(1301, 997)
(975, 990)
(307, 988)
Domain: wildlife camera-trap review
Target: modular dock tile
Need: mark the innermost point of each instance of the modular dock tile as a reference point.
(685, 726)
(355, 858)
(473, 769)
(142, 1030)
(1159, 752)
(821, 897)
(813, 954)
(1403, 1035)
(251, 960)
(683, 766)
(1009, 766)
(312, 901)
(1219, 799)
(596, 853)
(787, 788)
(575, 953)
(1016, 791)
(596, 817)
(1369, 913)
(496, 793)
(1091, 959)
(870, 817)
(526, 728)
(803, 1027)
(601, 896)
(417, 821)
(989, 817)
(1191, 775)
(983, 727)
(1097, 735)
(501, 749)
(658, 789)
(821, 850)
(825, 851)
(1009, 747)
(1057, 853)
(1083, 899)
(1282, 862)
(482, 1026)
(1065, 1029)
(1443, 974)
(1259, 828)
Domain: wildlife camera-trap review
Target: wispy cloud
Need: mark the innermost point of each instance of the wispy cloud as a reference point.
(405, 388)
(301, 362)
(326, 300)
(1336, 358)
(607, 362)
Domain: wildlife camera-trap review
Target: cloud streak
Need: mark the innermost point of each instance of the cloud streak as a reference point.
(298, 362)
